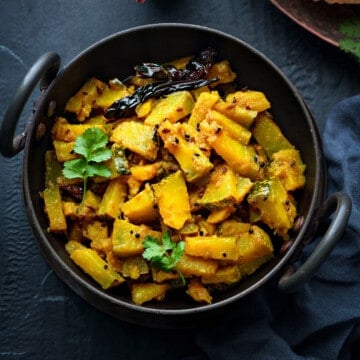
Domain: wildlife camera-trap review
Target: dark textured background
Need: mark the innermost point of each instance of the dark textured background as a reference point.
(40, 318)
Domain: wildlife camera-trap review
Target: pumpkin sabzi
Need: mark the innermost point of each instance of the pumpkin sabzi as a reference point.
(179, 180)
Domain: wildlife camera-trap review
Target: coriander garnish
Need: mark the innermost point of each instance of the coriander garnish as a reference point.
(91, 145)
(164, 255)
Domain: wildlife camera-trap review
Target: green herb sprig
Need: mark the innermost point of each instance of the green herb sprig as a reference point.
(164, 255)
(91, 145)
(350, 42)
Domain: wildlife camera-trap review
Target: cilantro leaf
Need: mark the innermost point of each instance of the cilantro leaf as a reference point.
(164, 255)
(153, 249)
(350, 41)
(74, 168)
(91, 145)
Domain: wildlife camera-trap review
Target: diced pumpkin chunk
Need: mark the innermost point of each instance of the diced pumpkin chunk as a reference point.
(241, 158)
(81, 103)
(136, 137)
(64, 150)
(276, 208)
(254, 244)
(236, 112)
(227, 275)
(145, 172)
(235, 130)
(127, 239)
(142, 207)
(54, 209)
(97, 232)
(115, 91)
(249, 268)
(53, 168)
(219, 215)
(113, 198)
(288, 167)
(203, 104)
(134, 267)
(198, 291)
(173, 107)
(221, 70)
(193, 162)
(223, 189)
(250, 99)
(173, 200)
(196, 266)
(145, 292)
(64, 131)
(232, 228)
(91, 263)
(268, 134)
(212, 247)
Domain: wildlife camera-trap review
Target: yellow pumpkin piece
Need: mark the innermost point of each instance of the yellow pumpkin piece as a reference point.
(250, 267)
(72, 245)
(142, 207)
(236, 112)
(277, 209)
(254, 244)
(160, 276)
(144, 109)
(134, 267)
(64, 150)
(115, 91)
(212, 247)
(241, 158)
(235, 130)
(288, 167)
(98, 120)
(221, 70)
(113, 198)
(136, 137)
(268, 134)
(64, 131)
(54, 209)
(206, 228)
(92, 263)
(219, 215)
(173, 200)
(173, 107)
(134, 186)
(81, 103)
(92, 200)
(225, 188)
(53, 168)
(198, 292)
(145, 292)
(97, 233)
(225, 275)
(196, 266)
(232, 228)
(127, 239)
(249, 99)
(203, 104)
(193, 162)
(145, 172)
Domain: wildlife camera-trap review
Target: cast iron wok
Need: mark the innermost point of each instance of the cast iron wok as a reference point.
(115, 56)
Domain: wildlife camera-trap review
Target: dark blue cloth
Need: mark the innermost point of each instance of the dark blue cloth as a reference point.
(322, 320)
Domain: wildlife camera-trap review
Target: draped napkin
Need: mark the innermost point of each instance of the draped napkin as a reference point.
(322, 319)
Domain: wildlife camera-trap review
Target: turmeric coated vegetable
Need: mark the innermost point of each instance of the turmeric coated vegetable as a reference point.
(169, 181)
